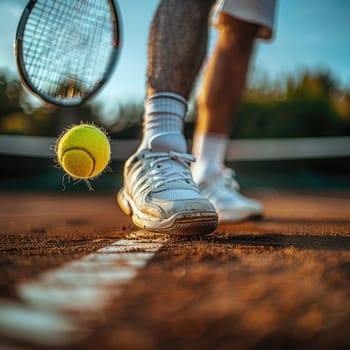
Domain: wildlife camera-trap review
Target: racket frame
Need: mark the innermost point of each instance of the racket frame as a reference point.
(24, 76)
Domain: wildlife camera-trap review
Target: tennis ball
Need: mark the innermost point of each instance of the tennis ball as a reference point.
(83, 151)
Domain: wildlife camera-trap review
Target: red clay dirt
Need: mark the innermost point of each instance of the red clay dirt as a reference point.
(279, 283)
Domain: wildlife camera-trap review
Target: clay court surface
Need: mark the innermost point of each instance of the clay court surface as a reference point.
(279, 283)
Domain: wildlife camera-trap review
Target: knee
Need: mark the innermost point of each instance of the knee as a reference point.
(236, 33)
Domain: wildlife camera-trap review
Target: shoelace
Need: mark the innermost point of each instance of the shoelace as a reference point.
(170, 167)
(229, 179)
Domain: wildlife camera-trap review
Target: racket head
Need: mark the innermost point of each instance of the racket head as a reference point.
(64, 92)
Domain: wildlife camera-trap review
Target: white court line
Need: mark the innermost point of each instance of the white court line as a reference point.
(58, 303)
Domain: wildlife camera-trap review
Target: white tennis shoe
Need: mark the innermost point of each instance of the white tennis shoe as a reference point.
(222, 190)
(161, 196)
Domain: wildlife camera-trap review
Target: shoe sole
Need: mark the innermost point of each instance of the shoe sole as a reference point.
(180, 224)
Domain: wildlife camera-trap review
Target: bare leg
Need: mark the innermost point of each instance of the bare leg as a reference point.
(217, 103)
(225, 76)
(177, 45)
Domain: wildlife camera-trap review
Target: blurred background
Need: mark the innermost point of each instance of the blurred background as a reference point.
(298, 88)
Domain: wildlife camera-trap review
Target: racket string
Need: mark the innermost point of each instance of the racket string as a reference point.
(68, 45)
(46, 57)
(34, 45)
(99, 38)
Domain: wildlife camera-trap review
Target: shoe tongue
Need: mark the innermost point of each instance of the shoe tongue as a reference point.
(168, 142)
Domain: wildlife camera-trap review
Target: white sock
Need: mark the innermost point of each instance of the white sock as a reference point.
(163, 131)
(210, 151)
(163, 123)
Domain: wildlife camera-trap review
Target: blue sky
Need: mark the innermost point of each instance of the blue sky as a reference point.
(312, 34)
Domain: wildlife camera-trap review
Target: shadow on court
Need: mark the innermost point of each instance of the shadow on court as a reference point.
(317, 242)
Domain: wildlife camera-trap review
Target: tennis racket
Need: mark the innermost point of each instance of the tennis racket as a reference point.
(66, 49)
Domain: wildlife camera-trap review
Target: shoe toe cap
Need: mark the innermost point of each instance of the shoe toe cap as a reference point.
(170, 208)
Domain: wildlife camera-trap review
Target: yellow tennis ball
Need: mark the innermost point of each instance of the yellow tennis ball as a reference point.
(83, 151)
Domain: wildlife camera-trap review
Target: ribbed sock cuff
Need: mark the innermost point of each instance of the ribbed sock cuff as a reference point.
(164, 113)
